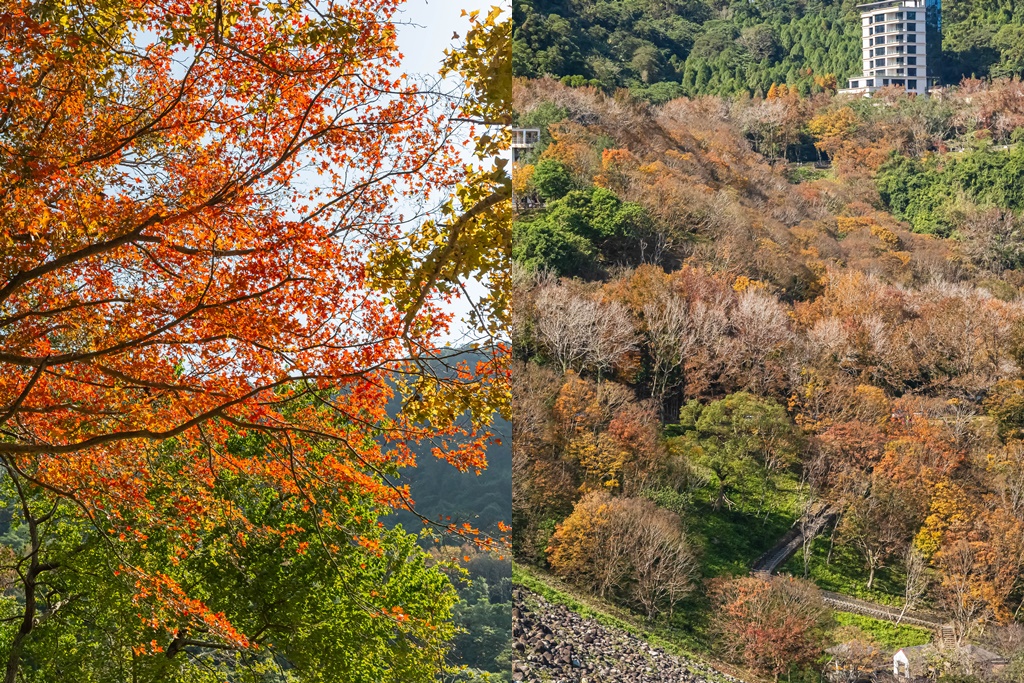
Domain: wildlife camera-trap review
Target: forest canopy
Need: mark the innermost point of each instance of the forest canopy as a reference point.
(661, 49)
(232, 235)
(747, 321)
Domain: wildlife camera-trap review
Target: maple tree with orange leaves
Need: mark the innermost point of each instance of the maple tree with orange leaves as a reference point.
(208, 209)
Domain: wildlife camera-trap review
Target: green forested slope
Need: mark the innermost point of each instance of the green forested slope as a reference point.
(664, 48)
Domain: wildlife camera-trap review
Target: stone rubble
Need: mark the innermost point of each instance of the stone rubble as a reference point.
(552, 644)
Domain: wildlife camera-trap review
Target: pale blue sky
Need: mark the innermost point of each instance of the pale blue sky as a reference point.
(426, 28)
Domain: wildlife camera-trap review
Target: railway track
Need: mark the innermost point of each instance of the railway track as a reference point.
(793, 540)
(845, 603)
(790, 543)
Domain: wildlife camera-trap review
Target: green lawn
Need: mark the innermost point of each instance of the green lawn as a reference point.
(890, 636)
(847, 574)
(805, 173)
(730, 540)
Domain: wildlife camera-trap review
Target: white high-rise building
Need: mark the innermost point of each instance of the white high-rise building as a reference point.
(895, 40)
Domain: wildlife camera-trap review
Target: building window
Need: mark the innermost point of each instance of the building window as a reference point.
(911, 72)
(879, 62)
(911, 27)
(899, 60)
(879, 17)
(912, 49)
(879, 50)
(911, 60)
(912, 85)
(870, 83)
(897, 81)
(911, 37)
(911, 15)
(854, 84)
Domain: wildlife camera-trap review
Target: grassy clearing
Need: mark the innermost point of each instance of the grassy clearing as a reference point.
(847, 574)
(805, 173)
(732, 538)
(890, 636)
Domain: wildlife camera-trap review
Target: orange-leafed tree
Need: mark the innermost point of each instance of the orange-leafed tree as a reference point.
(208, 210)
(772, 625)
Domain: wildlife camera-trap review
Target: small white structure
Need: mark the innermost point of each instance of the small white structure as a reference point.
(913, 662)
(917, 662)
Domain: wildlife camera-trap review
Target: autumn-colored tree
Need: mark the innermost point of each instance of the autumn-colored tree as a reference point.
(205, 213)
(542, 484)
(572, 147)
(827, 82)
(833, 129)
(522, 183)
(770, 625)
(607, 436)
(626, 547)
(980, 563)
(846, 454)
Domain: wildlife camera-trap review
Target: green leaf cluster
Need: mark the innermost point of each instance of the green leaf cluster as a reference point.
(927, 193)
(315, 605)
(737, 441)
(578, 232)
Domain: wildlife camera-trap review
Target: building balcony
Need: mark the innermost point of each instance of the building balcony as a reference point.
(525, 137)
(898, 71)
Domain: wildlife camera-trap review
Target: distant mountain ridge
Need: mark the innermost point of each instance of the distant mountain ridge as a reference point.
(441, 492)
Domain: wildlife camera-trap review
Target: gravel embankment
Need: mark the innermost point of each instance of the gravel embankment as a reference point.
(555, 645)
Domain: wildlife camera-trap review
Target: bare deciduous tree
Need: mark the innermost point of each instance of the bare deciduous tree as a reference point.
(670, 340)
(916, 584)
(613, 337)
(565, 325)
(663, 563)
(762, 336)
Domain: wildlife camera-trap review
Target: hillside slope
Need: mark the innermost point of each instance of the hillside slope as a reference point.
(664, 48)
(712, 337)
